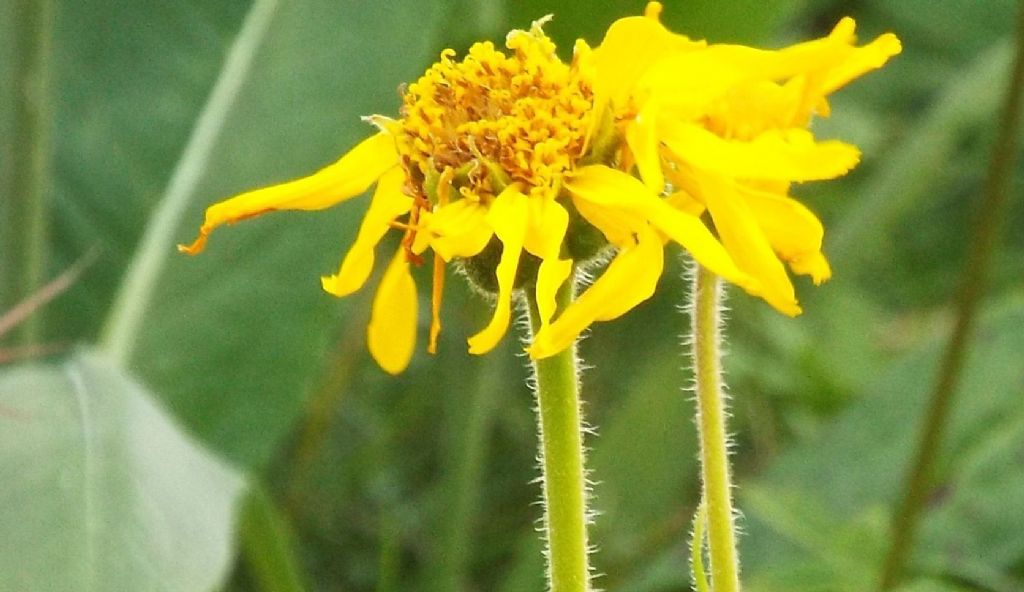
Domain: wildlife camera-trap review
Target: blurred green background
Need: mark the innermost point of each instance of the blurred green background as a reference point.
(360, 481)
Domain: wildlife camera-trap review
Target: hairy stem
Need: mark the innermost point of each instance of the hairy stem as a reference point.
(985, 234)
(563, 475)
(711, 417)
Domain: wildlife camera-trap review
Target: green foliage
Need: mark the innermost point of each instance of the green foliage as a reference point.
(101, 489)
(421, 482)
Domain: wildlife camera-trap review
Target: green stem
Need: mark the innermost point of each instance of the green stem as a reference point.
(563, 476)
(700, 579)
(135, 294)
(30, 157)
(268, 544)
(985, 234)
(714, 444)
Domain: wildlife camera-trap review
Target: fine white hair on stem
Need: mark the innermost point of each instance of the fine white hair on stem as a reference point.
(526, 310)
(704, 344)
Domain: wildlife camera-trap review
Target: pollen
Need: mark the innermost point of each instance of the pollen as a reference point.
(495, 119)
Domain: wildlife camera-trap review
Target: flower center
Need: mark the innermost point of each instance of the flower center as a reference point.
(494, 119)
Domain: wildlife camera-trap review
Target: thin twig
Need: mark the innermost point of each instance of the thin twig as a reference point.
(986, 232)
(57, 286)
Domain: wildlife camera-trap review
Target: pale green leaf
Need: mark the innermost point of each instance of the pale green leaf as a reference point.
(102, 490)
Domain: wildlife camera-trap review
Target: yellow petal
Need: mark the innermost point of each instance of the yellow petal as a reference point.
(647, 263)
(739, 230)
(863, 59)
(616, 191)
(550, 277)
(790, 155)
(716, 72)
(388, 203)
(630, 279)
(615, 224)
(642, 138)
(548, 221)
(630, 46)
(812, 264)
(508, 217)
(689, 96)
(391, 334)
(687, 203)
(348, 177)
(546, 227)
(459, 229)
(793, 231)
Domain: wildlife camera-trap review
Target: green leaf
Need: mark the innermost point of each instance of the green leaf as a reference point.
(810, 506)
(102, 491)
(235, 338)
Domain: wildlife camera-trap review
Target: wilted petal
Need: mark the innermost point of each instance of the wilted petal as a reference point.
(350, 176)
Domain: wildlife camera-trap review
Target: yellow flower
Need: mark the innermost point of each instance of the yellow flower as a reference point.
(520, 168)
(726, 126)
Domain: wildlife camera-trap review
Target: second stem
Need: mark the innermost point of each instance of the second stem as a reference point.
(564, 479)
(711, 417)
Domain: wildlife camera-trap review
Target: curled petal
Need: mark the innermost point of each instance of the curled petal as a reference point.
(548, 221)
(793, 231)
(459, 229)
(630, 279)
(790, 155)
(642, 138)
(738, 228)
(550, 277)
(508, 217)
(872, 56)
(616, 191)
(350, 176)
(388, 203)
(391, 334)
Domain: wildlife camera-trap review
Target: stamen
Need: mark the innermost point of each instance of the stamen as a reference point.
(496, 119)
(410, 236)
(404, 226)
(444, 186)
(436, 294)
(653, 10)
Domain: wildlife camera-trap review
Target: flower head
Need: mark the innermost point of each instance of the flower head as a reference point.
(520, 167)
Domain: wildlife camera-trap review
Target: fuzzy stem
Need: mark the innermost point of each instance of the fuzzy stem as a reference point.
(563, 476)
(711, 417)
(987, 226)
